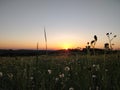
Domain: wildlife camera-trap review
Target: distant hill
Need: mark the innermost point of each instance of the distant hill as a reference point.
(25, 52)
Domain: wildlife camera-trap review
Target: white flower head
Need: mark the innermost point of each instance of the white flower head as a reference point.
(93, 65)
(61, 75)
(93, 76)
(49, 71)
(71, 88)
(1, 74)
(56, 79)
(106, 70)
(31, 78)
(67, 68)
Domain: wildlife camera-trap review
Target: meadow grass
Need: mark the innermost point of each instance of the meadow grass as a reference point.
(65, 72)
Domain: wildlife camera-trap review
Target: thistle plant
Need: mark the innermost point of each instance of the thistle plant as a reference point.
(93, 43)
(110, 39)
(88, 48)
(106, 46)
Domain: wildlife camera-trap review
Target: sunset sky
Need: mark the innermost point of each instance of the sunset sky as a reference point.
(68, 23)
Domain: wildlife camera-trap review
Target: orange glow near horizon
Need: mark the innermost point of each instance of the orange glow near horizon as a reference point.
(66, 46)
(51, 45)
(31, 45)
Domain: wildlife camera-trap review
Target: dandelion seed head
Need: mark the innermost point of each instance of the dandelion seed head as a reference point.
(49, 71)
(93, 76)
(61, 75)
(56, 79)
(93, 65)
(67, 68)
(71, 88)
(31, 78)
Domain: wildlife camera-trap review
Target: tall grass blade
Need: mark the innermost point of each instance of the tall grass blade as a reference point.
(37, 54)
(37, 46)
(45, 39)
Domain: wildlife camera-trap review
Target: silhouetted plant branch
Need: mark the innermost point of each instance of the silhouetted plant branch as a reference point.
(106, 46)
(93, 43)
(88, 48)
(110, 39)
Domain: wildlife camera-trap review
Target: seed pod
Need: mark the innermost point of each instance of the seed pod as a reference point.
(87, 43)
(92, 42)
(115, 36)
(95, 37)
(107, 33)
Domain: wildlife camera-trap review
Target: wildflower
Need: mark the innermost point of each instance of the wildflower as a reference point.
(67, 68)
(93, 65)
(93, 76)
(31, 78)
(56, 79)
(106, 70)
(98, 66)
(1, 74)
(71, 88)
(49, 71)
(61, 75)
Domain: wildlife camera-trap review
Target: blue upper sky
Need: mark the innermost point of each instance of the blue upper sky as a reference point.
(69, 23)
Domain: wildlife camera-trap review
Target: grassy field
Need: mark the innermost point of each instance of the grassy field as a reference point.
(78, 72)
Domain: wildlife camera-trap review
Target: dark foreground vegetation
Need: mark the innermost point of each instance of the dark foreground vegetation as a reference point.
(61, 72)
(84, 51)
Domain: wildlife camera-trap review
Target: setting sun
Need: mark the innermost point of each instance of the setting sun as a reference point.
(66, 46)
